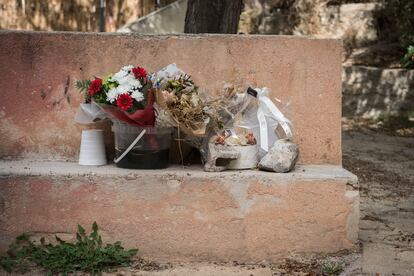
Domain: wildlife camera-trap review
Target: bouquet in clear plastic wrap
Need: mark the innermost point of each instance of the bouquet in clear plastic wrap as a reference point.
(177, 97)
(198, 116)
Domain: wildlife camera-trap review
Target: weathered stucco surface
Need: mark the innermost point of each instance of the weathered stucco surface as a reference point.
(38, 71)
(184, 214)
(371, 92)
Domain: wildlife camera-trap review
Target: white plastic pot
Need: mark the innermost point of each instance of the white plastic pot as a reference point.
(92, 149)
(249, 158)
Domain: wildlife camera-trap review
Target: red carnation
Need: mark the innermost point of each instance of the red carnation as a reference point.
(124, 101)
(96, 86)
(139, 73)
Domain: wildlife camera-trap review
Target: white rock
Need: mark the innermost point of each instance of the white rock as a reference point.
(222, 152)
(281, 157)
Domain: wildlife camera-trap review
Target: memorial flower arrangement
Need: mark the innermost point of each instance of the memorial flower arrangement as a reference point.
(127, 95)
(236, 123)
(179, 96)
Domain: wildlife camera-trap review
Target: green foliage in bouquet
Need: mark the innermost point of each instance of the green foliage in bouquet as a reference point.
(408, 60)
(88, 254)
(83, 87)
(107, 84)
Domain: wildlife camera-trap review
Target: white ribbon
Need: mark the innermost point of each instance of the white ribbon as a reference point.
(116, 160)
(265, 102)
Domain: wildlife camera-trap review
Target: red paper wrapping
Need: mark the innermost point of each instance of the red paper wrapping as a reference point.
(141, 117)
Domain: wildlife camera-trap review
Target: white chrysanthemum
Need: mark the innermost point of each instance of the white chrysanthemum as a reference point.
(129, 80)
(123, 74)
(134, 83)
(127, 67)
(119, 76)
(137, 95)
(112, 94)
(123, 88)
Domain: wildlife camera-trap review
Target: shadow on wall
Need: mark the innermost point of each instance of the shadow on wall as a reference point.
(284, 17)
(372, 92)
(395, 21)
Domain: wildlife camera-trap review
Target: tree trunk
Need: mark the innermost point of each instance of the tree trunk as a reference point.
(213, 16)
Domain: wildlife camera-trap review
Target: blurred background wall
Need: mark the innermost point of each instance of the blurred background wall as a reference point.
(72, 15)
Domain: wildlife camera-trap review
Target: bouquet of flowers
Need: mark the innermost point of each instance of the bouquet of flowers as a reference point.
(178, 96)
(234, 117)
(127, 95)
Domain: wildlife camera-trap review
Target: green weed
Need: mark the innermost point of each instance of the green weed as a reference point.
(332, 268)
(88, 254)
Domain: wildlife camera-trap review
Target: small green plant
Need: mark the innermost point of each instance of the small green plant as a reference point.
(408, 60)
(332, 268)
(88, 254)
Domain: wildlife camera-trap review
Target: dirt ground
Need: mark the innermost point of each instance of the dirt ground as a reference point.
(384, 165)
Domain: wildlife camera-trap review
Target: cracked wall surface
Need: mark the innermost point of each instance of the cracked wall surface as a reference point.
(188, 216)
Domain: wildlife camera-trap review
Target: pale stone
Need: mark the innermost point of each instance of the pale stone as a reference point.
(219, 152)
(281, 157)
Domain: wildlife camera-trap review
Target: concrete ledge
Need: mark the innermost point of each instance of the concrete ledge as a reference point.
(185, 214)
(53, 168)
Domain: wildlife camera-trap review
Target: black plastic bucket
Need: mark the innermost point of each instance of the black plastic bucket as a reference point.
(151, 151)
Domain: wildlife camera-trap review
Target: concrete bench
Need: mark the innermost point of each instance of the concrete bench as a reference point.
(177, 213)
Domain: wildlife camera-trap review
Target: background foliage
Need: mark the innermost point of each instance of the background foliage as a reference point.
(397, 21)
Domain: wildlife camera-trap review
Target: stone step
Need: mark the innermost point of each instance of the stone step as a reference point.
(185, 214)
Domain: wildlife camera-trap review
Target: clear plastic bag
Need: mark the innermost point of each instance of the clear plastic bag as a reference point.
(262, 118)
(89, 113)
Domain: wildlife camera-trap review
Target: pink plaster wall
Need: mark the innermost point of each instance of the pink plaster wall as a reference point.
(38, 71)
(185, 217)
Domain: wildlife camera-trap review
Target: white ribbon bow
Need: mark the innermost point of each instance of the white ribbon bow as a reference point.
(265, 102)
